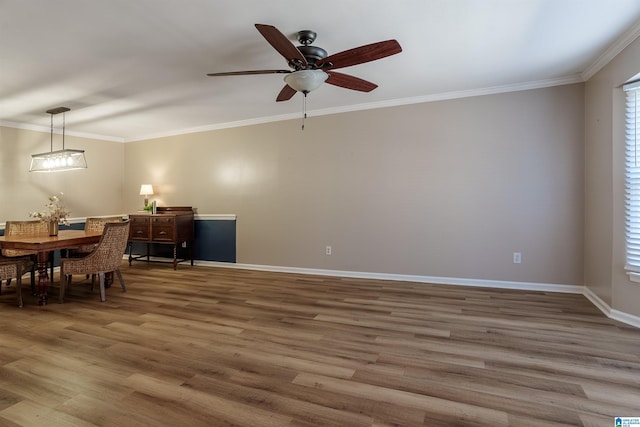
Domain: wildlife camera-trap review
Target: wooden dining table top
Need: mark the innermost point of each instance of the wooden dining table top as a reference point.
(44, 242)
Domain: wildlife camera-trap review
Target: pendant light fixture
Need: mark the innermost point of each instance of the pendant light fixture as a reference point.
(60, 160)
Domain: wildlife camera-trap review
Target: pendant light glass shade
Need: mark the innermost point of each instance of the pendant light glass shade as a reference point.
(306, 80)
(57, 161)
(60, 160)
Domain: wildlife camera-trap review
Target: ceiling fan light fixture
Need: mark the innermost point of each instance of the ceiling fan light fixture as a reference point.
(306, 81)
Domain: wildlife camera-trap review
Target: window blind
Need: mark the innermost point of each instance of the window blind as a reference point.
(632, 176)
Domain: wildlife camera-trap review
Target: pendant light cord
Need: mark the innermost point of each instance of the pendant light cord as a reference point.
(63, 122)
(63, 126)
(51, 149)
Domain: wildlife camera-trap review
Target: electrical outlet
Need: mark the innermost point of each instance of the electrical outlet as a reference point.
(327, 250)
(184, 244)
(517, 257)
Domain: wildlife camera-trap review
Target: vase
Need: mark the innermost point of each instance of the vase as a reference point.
(53, 228)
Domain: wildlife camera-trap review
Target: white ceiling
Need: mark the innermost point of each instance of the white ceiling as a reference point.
(132, 69)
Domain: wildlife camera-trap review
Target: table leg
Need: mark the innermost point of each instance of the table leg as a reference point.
(43, 278)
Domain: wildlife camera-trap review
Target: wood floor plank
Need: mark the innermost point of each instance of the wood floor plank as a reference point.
(230, 412)
(203, 346)
(28, 413)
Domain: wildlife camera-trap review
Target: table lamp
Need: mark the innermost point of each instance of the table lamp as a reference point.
(146, 190)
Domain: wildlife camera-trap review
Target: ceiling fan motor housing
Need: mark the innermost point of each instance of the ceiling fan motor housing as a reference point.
(311, 53)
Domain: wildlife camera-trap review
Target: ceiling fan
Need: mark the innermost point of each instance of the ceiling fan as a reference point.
(310, 66)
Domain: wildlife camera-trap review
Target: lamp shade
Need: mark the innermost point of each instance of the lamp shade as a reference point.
(146, 189)
(306, 80)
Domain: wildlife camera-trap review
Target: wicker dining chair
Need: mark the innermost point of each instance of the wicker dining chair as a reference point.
(105, 258)
(14, 268)
(92, 224)
(26, 228)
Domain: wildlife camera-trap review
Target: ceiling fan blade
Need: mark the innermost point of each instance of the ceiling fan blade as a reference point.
(362, 54)
(286, 93)
(350, 82)
(281, 43)
(246, 73)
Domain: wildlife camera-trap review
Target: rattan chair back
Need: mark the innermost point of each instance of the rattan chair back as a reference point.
(94, 224)
(23, 228)
(107, 255)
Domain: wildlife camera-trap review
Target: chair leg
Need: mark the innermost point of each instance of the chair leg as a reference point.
(67, 289)
(63, 288)
(121, 280)
(33, 280)
(19, 288)
(103, 296)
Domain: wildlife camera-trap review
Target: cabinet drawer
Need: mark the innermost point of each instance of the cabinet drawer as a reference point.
(139, 231)
(162, 232)
(138, 219)
(160, 220)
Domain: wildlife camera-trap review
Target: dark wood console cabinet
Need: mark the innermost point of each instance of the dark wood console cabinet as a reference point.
(172, 225)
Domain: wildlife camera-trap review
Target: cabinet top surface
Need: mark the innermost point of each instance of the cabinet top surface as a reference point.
(166, 210)
(160, 214)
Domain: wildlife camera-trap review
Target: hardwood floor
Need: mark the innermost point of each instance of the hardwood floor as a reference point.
(219, 347)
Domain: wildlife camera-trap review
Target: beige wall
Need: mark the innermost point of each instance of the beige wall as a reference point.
(447, 189)
(95, 191)
(604, 184)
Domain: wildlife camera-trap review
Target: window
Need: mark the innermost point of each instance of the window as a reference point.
(632, 179)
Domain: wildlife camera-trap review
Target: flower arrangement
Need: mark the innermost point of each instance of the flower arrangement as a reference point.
(55, 211)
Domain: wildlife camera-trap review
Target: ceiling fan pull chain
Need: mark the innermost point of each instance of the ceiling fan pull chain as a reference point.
(304, 109)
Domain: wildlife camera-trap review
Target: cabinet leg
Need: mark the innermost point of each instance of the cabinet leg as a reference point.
(175, 256)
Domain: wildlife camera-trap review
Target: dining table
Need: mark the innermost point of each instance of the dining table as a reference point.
(43, 245)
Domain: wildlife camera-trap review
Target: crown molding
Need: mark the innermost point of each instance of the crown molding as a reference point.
(515, 87)
(612, 51)
(217, 126)
(493, 90)
(47, 130)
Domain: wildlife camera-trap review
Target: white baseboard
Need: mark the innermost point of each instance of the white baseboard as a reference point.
(623, 317)
(620, 316)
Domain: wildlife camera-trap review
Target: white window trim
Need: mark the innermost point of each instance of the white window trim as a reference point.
(632, 180)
